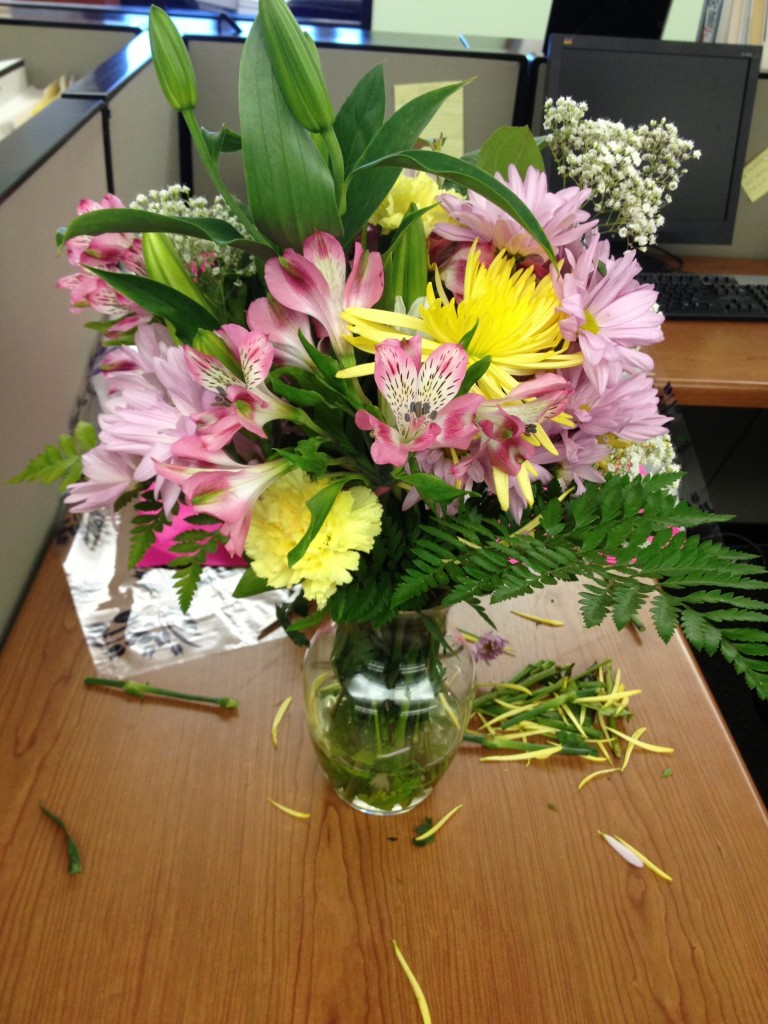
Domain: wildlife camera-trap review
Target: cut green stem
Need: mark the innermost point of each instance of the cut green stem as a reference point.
(142, 690)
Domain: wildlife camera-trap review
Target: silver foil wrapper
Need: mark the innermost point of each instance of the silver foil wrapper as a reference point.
(131, 619)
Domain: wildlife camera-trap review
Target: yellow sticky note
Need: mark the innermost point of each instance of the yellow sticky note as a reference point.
(754, 179)
(447, 122)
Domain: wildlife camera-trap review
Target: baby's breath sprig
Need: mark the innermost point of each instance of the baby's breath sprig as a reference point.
(631, 171)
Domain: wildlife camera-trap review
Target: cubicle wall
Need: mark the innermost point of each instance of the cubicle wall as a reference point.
(141, 130)
(50, 51)
(488, 101)
(45, 350)
(112, 130)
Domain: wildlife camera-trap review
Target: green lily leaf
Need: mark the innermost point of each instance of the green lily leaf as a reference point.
(319, 506)
(431, 487)
(459, 172)
(507, 146)
(250, 585)
(372, 178)
(160, 300)
(222, 141)
(291, 192)
(361, 115)
(212, 229)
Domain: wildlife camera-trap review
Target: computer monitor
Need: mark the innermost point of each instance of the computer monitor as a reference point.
(706, 89)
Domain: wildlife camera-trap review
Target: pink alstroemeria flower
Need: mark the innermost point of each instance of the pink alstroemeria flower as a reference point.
(109, 251)
(416, 392)
(220, 486)
(242, 402)
(281, 326)
(87, 291)
(316, 283)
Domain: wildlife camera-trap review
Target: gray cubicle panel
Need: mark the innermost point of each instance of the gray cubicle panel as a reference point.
(53, 50)
(45, 168)
(489, 100)
(142, 130)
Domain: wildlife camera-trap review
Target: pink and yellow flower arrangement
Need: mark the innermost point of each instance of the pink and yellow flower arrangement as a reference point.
(386, 377)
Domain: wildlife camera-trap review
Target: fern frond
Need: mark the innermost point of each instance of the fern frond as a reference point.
(62, 463)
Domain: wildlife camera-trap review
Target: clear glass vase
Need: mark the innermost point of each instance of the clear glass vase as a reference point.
(387, 708)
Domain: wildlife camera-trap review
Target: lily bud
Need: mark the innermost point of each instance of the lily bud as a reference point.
(173, 65)
(296, 66)
(164, 264)
(407, 269)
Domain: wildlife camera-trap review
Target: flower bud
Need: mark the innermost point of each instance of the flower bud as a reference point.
(164, 265)
(296, 66)
(173, 65)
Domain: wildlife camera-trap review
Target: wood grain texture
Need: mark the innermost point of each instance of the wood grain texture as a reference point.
(199, 903)
(715, 362)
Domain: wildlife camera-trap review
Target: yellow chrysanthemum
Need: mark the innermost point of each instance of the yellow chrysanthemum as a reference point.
(280, 519)
(420, 189)
(512, 312)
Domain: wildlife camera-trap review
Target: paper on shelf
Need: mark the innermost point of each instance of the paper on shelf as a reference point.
(754, 178)
(447, 122)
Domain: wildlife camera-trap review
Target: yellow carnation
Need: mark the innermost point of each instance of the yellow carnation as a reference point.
(280, 519)
(420, 189)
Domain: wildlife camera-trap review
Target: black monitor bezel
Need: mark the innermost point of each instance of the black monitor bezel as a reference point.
(716, 231)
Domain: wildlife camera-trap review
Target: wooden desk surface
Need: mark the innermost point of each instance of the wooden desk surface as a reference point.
(715, 362)
(201, 904)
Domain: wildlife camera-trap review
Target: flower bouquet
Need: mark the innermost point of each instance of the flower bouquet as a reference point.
(392, 380)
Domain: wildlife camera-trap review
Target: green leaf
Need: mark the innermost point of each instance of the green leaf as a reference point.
(161, 301)
(222, 141)
(186, 577)
(474, 372)
(148, 521)
(99, 222)
(664, 614)
(459, 172)
(319, 506)
(73, 854)
(63, 463)
(361, 115)
(250, 585)
(372, 179)
(291, 192)
(510, 145)
(430, 487)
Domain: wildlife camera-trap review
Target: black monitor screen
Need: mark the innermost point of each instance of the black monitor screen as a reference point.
(706, 89)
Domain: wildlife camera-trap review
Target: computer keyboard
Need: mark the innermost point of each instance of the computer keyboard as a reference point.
(710, 297)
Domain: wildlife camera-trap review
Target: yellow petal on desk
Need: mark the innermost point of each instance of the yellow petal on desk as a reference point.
(423, 836)
(608, 699)
(288, 810)
(634, 739)
(278, 719)
(594, 775)
(641, 856)
(537, 618)
(417, 991)
(525, 755)
(630, 856)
